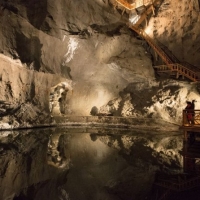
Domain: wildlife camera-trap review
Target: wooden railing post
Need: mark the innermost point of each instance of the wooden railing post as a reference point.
(184, 117)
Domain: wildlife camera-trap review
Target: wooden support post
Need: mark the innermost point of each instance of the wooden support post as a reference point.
(184, 155)
(156, 56)
(146, 21)
(153, 10)
(185, 121)
(185, 135)
(123, 11)
(177, 75)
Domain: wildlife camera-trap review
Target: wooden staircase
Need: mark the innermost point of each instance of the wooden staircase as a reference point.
(125, 4)
(170, 66)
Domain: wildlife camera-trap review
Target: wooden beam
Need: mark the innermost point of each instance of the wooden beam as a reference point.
(123, 11)
(153, 10)
(146, 22)
(143, 16)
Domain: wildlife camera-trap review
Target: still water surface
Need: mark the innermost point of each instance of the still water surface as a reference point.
(86, 163)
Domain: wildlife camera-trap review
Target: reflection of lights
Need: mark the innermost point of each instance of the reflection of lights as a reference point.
(134, 18)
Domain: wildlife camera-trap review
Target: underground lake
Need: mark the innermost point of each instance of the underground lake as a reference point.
(81, 163)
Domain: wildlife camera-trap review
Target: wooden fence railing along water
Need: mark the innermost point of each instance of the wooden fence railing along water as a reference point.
(192, 126)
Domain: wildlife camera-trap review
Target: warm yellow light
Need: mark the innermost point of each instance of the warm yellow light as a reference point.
(148, 31)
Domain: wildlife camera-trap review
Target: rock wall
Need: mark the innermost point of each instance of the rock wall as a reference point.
(177, 27)
(88, 44)
(24, 93)
(85, 42)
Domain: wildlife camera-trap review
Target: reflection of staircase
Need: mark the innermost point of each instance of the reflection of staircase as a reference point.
(179, 185)
(165, 194)
(171, 66)
(176, 185)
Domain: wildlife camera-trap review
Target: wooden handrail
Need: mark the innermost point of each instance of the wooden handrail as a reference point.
(192, 75)
(142, 2)
(135, 4)
(196, 117)
(180, 69)
(158, 50)
(126, 5)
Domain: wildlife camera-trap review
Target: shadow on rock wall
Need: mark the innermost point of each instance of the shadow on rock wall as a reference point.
(36, 12)
(29, 50)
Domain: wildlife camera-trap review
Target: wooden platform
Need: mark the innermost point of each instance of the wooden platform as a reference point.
(194, 128)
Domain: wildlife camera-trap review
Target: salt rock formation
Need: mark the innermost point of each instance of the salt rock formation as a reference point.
(88, 45)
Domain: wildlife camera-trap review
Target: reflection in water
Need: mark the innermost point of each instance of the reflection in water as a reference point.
(82, 164)
(55, 153)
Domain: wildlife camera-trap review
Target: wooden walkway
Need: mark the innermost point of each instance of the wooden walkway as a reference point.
(190, 127)
(132, 4)
(170, 66)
